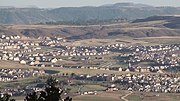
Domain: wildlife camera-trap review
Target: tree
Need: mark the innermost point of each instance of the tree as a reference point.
(73, 75)
(51, 93)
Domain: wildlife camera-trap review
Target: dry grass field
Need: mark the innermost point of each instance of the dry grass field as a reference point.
(161, 40)
(127, 40)
(103, 42)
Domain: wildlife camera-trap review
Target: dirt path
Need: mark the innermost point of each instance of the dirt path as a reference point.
(124, 97)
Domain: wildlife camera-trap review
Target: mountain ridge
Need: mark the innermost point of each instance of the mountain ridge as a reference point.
(127, 11)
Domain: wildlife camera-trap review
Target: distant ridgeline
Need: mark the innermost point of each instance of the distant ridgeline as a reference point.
(88, 14)
(88, 22)
(172, 21)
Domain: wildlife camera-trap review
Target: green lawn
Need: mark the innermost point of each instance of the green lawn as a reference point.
(94, 98)
(86, 88)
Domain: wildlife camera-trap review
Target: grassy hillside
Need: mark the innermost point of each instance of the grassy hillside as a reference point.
(156, 26)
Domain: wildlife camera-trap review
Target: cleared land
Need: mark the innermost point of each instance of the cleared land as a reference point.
(127, 40)
(109, 41)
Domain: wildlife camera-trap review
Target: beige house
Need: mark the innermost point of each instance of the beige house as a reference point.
(23, 62)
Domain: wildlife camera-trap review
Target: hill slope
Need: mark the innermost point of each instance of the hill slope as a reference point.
(172, 21)
(127, 11)
(150, 27)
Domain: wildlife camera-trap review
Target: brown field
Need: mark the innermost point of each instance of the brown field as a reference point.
(127, 40)
(103, 42)
(161, 40)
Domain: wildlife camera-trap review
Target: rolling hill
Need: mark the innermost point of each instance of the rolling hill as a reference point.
(154, 26)
(129, 11)
(172, 21)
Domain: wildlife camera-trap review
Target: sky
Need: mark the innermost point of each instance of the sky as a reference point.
(77, 3)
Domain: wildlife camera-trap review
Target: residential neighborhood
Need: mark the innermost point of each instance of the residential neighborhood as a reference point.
(140, 64)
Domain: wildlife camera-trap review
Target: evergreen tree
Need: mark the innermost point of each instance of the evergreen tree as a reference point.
(51, 93)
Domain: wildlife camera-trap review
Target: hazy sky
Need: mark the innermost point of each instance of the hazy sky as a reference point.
(76, 3)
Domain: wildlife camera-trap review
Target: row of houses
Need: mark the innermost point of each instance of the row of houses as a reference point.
(161, 83)
(15, 74)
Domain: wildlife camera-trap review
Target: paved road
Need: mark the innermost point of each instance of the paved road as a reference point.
(124, 97)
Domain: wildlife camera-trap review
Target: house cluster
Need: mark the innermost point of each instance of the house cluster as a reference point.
(14, 43)
(21, 91)
(51, 41)
(71, 51)
(165, 83)
(13, 92)
(162, 83)
(11, 37)
(15, 74)
(127, 68)
(29, 52)
(89, 93)
(46, 58)
(162, 57)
